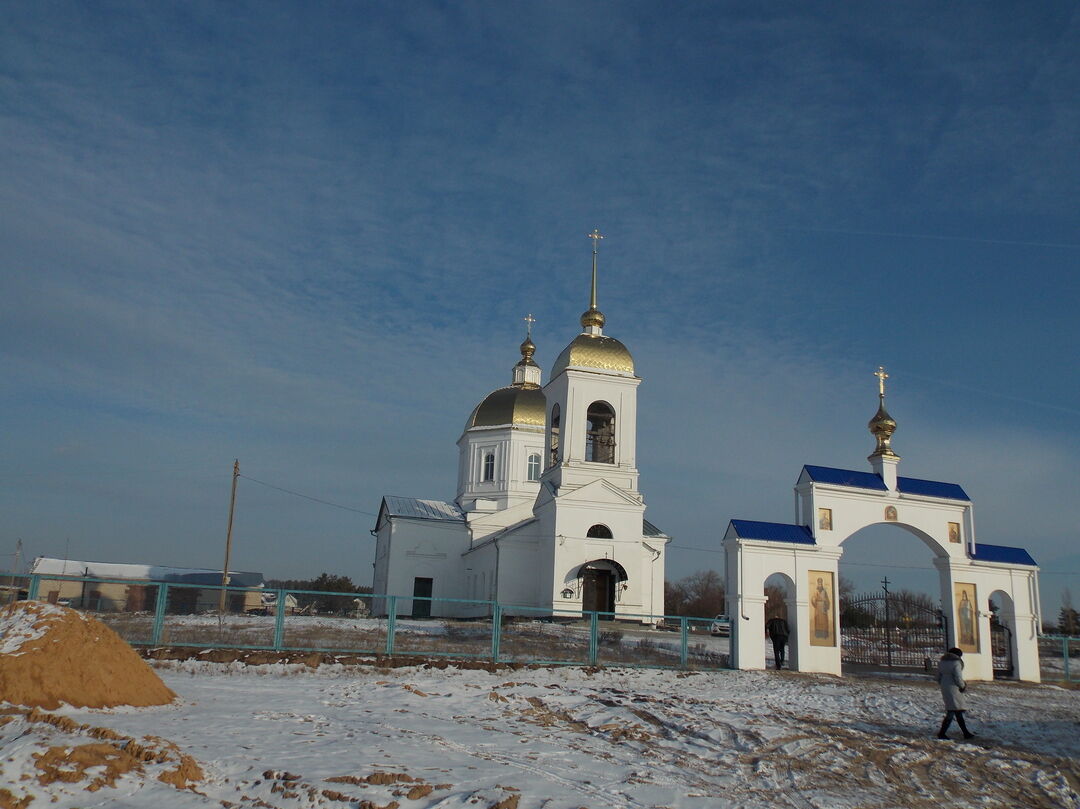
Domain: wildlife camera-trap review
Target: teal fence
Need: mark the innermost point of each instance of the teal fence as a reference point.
(184, 614)
(1059, 658)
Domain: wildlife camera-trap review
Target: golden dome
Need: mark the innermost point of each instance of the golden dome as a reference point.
(882, 422)
(592, 317)
(517, 405)
(528, 348)
(594, 351)
(882, 426)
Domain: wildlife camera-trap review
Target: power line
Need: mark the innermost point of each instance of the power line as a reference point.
(680, 547)
(309, 497)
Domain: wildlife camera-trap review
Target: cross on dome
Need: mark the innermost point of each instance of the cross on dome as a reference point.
(882, 376)
(593, 319)
(596, 236)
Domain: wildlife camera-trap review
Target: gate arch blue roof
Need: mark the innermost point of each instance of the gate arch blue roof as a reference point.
(773, 531)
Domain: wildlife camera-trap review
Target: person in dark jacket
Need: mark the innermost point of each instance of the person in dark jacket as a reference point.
(950, 677)
(777, 629)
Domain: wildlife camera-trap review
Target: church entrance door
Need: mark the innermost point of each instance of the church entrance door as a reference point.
(421, 590)
(598, 591)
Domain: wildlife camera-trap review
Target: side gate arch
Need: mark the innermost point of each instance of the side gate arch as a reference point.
(831, 505)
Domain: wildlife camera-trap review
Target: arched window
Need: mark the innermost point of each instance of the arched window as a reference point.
(554, 434)
(534, 467)
(489, 467)
(600, 433)
(599, 531)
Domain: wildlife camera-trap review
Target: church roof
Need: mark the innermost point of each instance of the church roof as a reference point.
(417, 509)
(650, 530)
(773, 531)
(931, 488)
(594, 351)
(870, 480)
(515, 405)
(845, 477)
(1003, 554)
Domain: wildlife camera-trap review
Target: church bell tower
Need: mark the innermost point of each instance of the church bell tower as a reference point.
(592, 406)
(589, 508)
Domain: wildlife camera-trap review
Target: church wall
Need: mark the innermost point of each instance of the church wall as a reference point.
(419, 548)
(523, 570)
(651, 575)
(573, 549)
(512, 448)
(478, 569)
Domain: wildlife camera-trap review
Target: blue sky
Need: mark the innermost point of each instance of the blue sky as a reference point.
(305, 235)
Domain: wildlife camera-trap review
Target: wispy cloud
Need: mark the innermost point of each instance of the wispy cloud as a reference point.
(305, 237)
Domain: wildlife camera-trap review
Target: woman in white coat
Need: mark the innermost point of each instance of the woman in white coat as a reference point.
(950, 677)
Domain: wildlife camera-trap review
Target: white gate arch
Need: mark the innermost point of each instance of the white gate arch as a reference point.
(833, 504)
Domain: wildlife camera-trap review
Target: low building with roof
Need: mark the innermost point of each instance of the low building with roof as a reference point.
(125, 587)
(547, 518)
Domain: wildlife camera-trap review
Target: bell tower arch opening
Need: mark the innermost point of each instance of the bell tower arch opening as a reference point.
(600, 433)
(554, 424)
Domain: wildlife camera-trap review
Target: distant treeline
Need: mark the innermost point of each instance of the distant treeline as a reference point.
(324, 582)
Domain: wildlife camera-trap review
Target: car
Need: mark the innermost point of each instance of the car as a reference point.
(721, 626)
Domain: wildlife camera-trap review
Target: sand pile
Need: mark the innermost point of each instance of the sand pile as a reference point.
(50, 655)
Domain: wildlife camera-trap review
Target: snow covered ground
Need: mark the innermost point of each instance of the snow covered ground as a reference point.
(283, 736)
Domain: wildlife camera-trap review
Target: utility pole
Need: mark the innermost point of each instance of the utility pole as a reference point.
(888, 622)
(228, 537)
(15, 562)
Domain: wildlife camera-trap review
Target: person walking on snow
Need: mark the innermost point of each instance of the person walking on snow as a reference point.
(950, 677)
(777, 629)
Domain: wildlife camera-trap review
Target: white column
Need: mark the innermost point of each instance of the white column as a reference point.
(747, 633)
(798, 622)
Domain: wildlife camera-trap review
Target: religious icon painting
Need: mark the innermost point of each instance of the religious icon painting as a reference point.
(954, 532)
(890, 513)
(967, 624)
(824, 519)
(822, 609)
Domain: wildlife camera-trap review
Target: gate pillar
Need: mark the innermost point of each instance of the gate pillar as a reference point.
(978, 659)
(983, 579)
(1025, 629)
(748, 632)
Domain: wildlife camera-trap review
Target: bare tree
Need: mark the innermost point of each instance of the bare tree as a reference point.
(1068, 619)
(775, 602)
(700, 595)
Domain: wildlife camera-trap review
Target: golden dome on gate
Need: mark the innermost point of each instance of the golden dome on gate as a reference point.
(594, 351)
(882, 423)
(516, 405)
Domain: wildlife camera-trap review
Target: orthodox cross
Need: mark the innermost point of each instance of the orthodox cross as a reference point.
(529, 320)
(596, 236)
(882, 376)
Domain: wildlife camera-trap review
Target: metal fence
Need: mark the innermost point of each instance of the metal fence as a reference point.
(1059, 658)
(160, 614)
(146, 613)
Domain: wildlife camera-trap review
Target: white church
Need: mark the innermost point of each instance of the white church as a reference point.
(548, 517)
